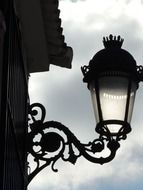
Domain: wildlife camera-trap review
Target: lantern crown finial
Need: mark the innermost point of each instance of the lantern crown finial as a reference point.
(113, 41)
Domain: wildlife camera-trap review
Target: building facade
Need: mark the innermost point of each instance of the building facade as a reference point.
(21, 31)
(13, 117)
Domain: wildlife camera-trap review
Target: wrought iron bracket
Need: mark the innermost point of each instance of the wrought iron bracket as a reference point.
(50, 141)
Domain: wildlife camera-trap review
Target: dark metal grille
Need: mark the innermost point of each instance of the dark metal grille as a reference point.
(13, 170)
(13, 128)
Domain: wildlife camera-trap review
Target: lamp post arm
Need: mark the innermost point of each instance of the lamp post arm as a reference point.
(49, 141)
(85, 149)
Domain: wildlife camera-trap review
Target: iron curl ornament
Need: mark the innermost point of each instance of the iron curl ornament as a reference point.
(50, 141)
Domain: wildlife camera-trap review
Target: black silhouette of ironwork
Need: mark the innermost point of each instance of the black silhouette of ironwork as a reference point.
(55, 140)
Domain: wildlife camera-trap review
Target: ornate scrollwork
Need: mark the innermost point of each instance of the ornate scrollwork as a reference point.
(140, 72)
(85, 69)
(113, 41)
(50, 141)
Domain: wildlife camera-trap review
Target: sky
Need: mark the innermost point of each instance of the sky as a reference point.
(67, 99)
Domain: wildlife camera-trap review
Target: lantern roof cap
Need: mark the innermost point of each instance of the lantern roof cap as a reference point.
(111, 58)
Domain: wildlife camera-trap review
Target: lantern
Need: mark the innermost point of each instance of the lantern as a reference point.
(112, 78)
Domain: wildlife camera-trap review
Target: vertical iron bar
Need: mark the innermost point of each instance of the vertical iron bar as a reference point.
(98, 100)
(128, 100)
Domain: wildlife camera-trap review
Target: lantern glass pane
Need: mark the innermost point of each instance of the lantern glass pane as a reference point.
(113, 97)
(132, 99)
(94, 101)
(113, 92)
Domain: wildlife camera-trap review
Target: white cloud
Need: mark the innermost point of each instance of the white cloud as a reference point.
(105, 11)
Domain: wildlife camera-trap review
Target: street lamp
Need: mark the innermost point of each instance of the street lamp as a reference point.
(112, 77)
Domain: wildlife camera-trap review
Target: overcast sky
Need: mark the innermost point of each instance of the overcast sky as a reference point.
(67, 99)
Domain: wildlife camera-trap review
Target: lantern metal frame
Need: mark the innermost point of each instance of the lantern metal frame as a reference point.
(49, 141)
